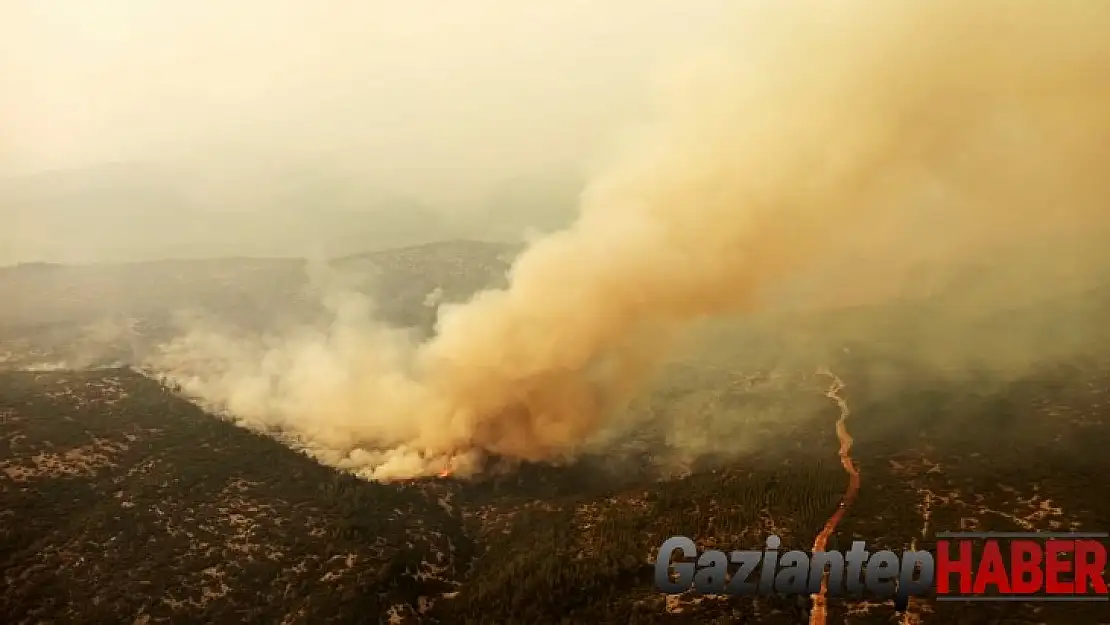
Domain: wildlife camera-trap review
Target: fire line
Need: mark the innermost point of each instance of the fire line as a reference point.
(820, 613)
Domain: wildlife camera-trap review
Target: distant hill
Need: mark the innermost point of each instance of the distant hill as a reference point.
(124, 212)
(64, 306)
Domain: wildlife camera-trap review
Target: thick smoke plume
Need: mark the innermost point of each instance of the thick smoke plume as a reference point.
(826, 130)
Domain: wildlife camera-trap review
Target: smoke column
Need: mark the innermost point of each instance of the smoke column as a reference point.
(825, 123)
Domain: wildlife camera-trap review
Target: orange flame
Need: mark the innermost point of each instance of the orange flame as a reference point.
(445, 473)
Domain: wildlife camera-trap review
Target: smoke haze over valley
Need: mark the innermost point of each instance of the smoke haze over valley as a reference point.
(817, 146)
(445, 312)
(806, 157)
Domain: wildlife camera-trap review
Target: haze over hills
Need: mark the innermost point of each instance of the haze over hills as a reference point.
(92, 214)
(92, 307)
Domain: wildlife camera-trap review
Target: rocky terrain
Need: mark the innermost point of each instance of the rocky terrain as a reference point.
(124, 503)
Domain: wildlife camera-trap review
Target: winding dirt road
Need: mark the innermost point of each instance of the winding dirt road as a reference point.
(819, 613)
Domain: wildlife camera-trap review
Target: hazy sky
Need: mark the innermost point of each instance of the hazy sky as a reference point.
(441, 97)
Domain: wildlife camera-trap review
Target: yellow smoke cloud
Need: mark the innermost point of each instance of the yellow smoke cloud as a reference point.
(825, 125)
